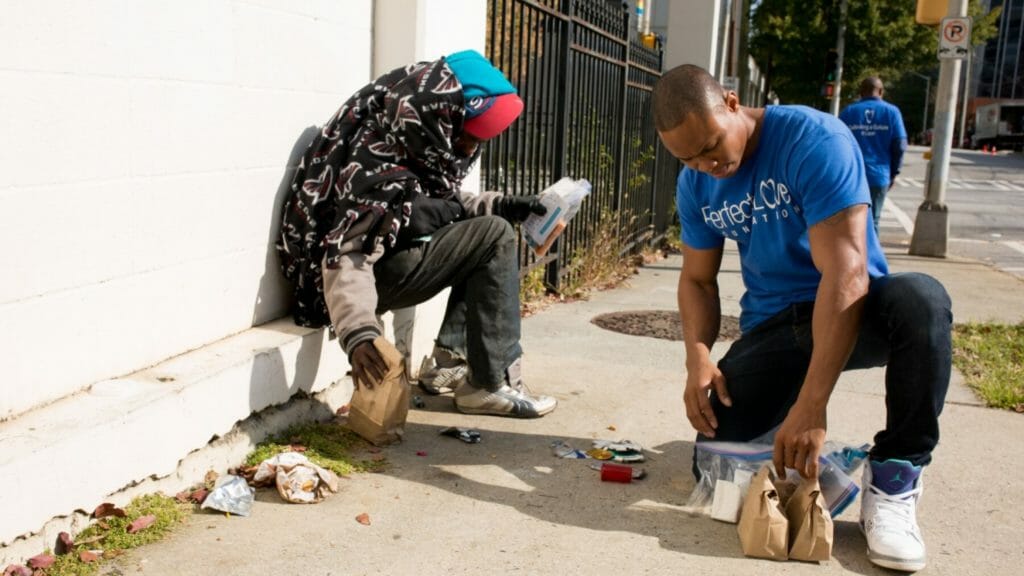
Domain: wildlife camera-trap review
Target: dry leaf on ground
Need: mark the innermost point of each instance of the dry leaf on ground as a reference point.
(141, 523)
(107, 509)
(41, 561)
(65, 543)
(198, 496)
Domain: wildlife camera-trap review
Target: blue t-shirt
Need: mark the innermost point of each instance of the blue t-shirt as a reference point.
(806, 167)
(875, 124)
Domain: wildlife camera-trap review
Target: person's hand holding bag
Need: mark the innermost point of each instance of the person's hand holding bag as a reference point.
(367, 365)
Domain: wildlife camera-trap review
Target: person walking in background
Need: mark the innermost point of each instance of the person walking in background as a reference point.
(787, 184)
(376, 220)
(878, 128)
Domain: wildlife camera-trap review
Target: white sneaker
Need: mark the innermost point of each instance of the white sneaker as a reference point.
(888, 514)
(505, 401)
(436, 380)
(442, 372)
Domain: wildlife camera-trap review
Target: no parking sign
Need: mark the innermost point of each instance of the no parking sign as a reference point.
(954, 38)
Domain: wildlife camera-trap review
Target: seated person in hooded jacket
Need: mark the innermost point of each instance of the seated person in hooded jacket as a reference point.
(376, 220)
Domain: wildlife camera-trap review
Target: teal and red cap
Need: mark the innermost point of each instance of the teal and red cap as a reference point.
(491, 101)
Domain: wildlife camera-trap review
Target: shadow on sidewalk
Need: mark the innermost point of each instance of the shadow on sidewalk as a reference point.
(519, 470)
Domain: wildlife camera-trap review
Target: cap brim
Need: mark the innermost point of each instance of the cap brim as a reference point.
(496, 119)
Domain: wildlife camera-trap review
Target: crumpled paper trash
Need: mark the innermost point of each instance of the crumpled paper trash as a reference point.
(231, 494)
(298, 480)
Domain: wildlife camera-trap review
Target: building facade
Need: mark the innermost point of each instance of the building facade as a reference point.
(1000, 73)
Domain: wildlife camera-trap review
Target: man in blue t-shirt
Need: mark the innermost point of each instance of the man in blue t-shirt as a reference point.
(878, 128)
(787, 184)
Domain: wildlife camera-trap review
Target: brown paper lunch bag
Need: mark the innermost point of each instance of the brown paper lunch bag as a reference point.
(810, 524)
(378, 414)
(763, 528)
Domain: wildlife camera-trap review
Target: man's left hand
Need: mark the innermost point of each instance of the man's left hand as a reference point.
(799, 440)
(368, 366)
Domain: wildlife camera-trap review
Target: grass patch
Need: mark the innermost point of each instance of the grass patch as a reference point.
(327, 444)
(991, 358)
(110, 535)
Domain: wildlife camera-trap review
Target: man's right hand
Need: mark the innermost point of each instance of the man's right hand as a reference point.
(699, 382)
(367, 365)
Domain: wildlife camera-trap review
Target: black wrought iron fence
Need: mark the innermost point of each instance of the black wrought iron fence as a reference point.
(586, 85)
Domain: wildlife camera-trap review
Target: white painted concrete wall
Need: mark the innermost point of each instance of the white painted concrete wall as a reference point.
(144, 149)
(693, 34)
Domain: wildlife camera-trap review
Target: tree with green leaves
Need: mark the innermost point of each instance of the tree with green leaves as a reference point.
(790, 41)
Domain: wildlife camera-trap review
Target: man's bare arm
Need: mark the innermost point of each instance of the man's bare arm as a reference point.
(700, 312)
(839, 251)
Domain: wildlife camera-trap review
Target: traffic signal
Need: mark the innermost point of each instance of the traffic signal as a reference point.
(931, 12)
(831, 66)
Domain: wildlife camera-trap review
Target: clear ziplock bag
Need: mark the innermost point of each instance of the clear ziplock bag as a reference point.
(738, 462)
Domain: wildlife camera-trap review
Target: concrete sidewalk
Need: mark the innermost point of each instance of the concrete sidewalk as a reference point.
(507, 505)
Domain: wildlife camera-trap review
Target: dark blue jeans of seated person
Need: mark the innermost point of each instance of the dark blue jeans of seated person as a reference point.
(478, 259)
(906, 327)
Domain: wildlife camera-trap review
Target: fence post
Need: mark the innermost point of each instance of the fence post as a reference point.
(621, 171)
(552, 275)
(655, 175)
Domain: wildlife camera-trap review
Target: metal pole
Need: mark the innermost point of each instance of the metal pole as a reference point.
(931, 227)
(963, 102)
(927, 97)
(620, 165)
(927, 93)
(553, 274)
(840, 48)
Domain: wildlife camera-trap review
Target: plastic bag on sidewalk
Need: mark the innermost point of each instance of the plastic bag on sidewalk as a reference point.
(231, 494)
(298, 480)
(738, 462)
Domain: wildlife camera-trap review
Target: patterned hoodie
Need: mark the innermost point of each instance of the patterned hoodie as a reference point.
(382, 172)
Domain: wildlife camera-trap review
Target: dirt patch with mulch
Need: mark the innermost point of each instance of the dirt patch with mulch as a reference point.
(662, 324)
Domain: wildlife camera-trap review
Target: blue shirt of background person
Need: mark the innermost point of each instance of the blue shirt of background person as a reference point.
(806, 168)
(878, 128)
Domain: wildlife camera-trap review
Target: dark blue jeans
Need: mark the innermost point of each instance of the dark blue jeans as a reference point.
(477, 258)
(877, 201)
(906, 327)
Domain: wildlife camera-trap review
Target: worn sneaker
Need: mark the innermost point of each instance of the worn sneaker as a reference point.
(435, 380)
(442, 372)
(888, 514)
(505, 401)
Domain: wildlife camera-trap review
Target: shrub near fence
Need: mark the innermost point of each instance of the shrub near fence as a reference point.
(586, 85)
